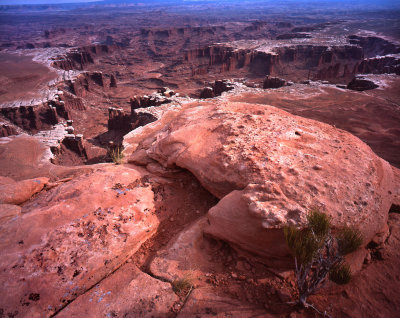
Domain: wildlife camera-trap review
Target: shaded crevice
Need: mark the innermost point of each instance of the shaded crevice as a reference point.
(395, 208)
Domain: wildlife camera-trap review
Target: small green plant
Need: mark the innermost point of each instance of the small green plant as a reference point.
(117, 155)
(319, 255)
(183, 285)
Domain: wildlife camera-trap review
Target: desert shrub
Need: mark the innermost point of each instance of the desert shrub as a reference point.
(116, 154)
(181, 284)
(340, 274)
(319, 255)
(349, 240)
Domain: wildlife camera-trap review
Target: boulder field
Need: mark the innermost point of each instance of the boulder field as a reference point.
(269, 168)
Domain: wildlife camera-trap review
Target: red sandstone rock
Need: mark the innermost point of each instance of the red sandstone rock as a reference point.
(71, 237)
(126, 293)
(273, 82)
(185, 255)
(8, 211)
(204, 302)
(21, 191)
(7, 130)
(361, 84)
(269, 168)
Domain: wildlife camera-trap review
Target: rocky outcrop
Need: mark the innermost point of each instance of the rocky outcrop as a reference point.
(373, 45)
(230, 59)
(216, 88)
(269, 168)
(74, 60)
(79, 58)
(273, 82)
(207, 92)
(271, 61)
(71, 237)
(67, 103)
(43, 115)
(360, 83)
(156, 99)
(9, 211)
(118, 120)
(204, 301)
(128, 293)
(76, 144)
(12, 192)
(7, 130)
(31, 117)
(90, 81)
(322, 62)
(379, 65)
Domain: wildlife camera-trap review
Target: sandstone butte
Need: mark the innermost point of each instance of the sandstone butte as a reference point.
(64, 242)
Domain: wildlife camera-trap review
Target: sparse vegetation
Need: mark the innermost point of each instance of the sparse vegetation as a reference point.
(184, 285)
(116, 154)
(181, 284)
(319, 255)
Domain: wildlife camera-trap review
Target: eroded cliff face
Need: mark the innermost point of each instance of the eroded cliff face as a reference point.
(79, 58)
(91, 81)
(31, 118)
(379, 65)
(320, 61)
(7, 130)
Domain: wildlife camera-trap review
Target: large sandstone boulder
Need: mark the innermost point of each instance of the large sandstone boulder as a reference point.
(71, 237)
(269, 168)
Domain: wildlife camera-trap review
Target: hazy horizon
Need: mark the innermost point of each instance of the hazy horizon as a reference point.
(33, 2)
(358, 2)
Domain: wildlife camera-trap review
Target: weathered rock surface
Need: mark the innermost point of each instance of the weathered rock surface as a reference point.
(126, 293)
(273, 82)
(216, 88)
(269, 168)
(185, 256)
(204, 302)
(7, 130)
(361, 84)
(18, 192)
(8, 211)
(207, 92)
(71, 237)
(27, 157)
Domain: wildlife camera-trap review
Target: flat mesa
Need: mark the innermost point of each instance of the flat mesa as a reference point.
(22, 78)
